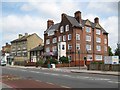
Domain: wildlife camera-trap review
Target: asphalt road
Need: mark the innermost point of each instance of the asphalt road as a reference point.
(65, 79)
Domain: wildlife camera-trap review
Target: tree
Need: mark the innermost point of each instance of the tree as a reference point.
(110, 51)
(117, 50)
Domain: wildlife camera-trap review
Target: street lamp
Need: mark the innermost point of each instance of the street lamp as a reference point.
(79, 59)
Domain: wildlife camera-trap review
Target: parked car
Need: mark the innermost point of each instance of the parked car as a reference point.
(2, 63)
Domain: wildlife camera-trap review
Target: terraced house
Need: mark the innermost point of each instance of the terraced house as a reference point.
(20, 47)
(76, 38)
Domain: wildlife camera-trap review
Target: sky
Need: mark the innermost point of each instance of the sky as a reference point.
(30, 16)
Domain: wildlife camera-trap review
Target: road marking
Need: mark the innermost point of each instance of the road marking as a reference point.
(113, 82)
(50, 83)
(65, 86)
(38, 80)
(46, 73)
(23, 70)
(55, 74)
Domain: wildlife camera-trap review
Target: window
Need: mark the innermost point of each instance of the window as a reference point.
(69, 58)
(67, 27)
(60, 38)
(89, 57)
(19, 53)
(24, 53)
(48, 41)
(54, 48)
(51, 32)
(98, 57)
(88, 47)
(105, 48)
(61, 29)
(47, 49)
(54, 40)
(77, 46)
(105, 41)
(69, 36)
(98, 31)
(63, 47)
(98, 40)
(64, 38)
(88, 29)
(69, 46)
(88, 38)
(77, 36)
(98, 47)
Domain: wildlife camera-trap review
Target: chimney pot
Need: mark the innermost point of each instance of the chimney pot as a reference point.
(49, 23)
(96, 20)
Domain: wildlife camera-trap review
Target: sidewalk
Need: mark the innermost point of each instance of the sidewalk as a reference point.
(74, 70)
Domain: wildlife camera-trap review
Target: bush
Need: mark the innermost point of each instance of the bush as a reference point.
(39, 63)
(51, 61)
(64, 59)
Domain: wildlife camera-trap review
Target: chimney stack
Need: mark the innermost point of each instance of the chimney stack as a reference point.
(77, 15)
(26, 34)
(96, 20)
(49, 23)
(20, 35)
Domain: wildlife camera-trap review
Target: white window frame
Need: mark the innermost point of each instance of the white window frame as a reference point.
(88, 30)
(69, 36)
(98, 48)
(89, 58)
(88, 46)
(77, 36)
(54, 48)
(98, 40)
(98, 57)
(64, 37)
(78, 46)
(61, 29)
(48, 41)
(98, 31)
(54, 40)
(47, 49)
(105, 41)
(88, 38)
(60, 38)
(105, 48)
(67, 28)
(69, 46)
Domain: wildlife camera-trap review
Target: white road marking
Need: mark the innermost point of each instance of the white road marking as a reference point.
(55, 74)
(65, 86)
(49, 83)
(113, 82)
(23, 70)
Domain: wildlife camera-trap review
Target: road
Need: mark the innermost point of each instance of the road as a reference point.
(62, 79)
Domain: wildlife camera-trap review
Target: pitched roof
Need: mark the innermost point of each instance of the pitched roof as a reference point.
(23, 38)
(53, 27)
(38, 48)
(73, 21)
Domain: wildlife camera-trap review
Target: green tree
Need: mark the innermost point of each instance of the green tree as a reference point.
(117, 50)
(110, 51)
(64, 59)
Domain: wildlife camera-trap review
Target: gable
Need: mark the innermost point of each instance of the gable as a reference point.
(98, 26)
(87, 23)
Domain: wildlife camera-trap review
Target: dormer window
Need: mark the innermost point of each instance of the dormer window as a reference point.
(61, 29)
(67, 28)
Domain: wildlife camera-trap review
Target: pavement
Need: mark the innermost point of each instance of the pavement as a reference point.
(74, 70)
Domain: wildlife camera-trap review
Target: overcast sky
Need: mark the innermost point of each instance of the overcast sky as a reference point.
(30, 16)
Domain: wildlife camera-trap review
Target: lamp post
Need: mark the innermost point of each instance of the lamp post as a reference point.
(79, 59)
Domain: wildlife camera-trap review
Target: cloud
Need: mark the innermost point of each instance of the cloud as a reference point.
(13, 25)
(100, 7)
(111, 26)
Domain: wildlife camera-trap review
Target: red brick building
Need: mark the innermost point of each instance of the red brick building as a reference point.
(83, 39)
